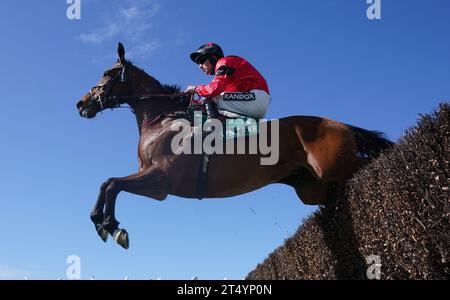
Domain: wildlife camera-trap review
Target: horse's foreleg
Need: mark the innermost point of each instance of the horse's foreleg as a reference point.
(97, 215)
(146, 183)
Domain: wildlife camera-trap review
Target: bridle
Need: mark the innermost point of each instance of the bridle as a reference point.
(101, 101)
(112, 102)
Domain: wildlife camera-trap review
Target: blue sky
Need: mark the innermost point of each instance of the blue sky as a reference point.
(322, 58)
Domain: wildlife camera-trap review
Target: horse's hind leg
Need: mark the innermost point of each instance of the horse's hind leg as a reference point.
(309, 189)
(313, 192)
(151, 183)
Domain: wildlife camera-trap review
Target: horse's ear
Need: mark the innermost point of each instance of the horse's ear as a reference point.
(121, 53)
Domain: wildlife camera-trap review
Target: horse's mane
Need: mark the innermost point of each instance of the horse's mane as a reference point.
(171, 88)
(166, 88)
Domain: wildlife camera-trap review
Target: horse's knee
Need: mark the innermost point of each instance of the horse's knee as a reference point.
(112, 189)
(105, 184)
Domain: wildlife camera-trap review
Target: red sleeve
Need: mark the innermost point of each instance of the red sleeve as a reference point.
(216, 87)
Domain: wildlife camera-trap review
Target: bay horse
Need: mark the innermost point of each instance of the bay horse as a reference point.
(314, 152)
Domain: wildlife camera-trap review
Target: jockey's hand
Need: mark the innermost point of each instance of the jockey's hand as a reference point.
(190, 89)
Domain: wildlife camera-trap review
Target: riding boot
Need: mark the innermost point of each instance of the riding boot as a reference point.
(212, 113)
(211, 109)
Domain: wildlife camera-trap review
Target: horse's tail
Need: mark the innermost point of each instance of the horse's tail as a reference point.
(370, 143)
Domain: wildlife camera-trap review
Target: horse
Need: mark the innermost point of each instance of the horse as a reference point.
(314, 152)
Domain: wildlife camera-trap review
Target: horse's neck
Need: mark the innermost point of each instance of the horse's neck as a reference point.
(146, 112)
(149, 111)
(145, 85)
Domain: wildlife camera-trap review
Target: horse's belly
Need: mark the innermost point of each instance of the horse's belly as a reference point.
(234, 176)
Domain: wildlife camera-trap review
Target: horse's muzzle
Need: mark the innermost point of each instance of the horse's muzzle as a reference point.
(85, 112)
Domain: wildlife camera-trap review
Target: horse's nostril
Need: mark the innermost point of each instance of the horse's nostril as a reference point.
(80, 104)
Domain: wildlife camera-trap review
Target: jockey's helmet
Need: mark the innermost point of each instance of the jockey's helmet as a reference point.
(210, 51)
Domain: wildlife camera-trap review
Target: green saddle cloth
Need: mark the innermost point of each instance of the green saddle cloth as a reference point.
(234, 128)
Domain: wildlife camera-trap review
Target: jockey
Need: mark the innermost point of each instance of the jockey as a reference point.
(238, 89)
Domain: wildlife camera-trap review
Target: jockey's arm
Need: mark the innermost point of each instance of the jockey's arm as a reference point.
(218, 85)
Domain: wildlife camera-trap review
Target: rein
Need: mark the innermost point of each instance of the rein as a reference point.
(118, 101)
(112, 102)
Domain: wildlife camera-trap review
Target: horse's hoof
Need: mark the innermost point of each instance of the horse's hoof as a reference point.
(102, 233)
(121, 237)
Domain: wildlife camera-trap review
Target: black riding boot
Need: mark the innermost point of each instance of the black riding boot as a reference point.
(211, 109)
(212, 113)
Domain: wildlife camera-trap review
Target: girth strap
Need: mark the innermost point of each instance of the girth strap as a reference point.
(203, 176)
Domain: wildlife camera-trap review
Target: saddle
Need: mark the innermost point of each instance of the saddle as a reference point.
(234, 125)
